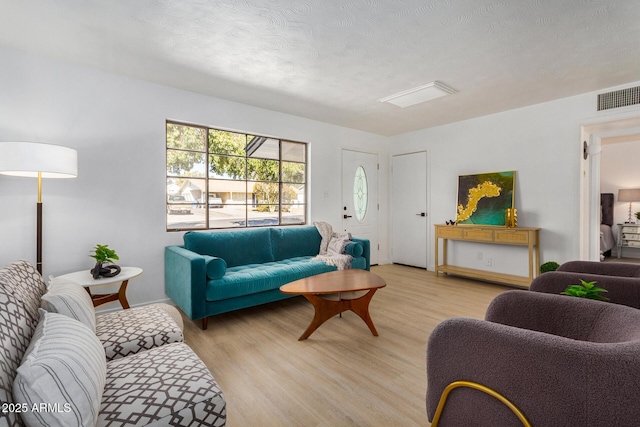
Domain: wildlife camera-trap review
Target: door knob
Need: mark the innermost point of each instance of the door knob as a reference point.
(421, 214)
(347, 216)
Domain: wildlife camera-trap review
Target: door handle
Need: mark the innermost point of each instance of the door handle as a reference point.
(422, 214)
(347, 216)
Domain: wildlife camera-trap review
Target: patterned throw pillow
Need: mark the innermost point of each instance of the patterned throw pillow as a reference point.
(64, 367)
(71, 299)
(22, 280)
(16, 328)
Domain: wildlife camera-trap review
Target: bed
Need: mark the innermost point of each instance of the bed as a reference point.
(607, 240)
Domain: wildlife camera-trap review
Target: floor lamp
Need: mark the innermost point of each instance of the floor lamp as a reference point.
(37, 160)
(629, 195)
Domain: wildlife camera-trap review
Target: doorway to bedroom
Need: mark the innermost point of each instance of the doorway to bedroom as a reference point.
(609, 148)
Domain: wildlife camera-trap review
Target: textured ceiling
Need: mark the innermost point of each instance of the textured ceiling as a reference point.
(330, 60)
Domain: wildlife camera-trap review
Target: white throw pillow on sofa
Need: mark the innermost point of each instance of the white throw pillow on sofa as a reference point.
(337, 243)
(71, 299)
(65, 367)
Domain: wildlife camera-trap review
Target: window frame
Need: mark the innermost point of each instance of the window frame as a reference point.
(247, 179)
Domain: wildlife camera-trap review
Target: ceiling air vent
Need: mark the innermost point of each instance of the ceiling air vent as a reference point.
(619, 98)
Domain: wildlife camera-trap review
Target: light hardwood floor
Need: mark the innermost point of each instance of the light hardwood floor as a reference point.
(342, 375)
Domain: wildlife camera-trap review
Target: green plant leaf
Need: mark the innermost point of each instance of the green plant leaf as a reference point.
(102, 253)
(585, 290)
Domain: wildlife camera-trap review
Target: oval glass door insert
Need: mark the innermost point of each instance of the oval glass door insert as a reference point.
(360, 197)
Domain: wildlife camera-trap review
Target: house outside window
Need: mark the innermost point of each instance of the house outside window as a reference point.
(222, 179)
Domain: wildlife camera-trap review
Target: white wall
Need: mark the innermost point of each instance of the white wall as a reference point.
(117, 124)
(619, 169)
(540, 142)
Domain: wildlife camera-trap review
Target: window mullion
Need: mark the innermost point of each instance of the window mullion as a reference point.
(280, 188)
(246, 184)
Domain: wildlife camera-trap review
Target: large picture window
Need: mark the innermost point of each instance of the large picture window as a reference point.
(222, 179)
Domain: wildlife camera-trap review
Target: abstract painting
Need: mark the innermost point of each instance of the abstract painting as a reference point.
(483, 198)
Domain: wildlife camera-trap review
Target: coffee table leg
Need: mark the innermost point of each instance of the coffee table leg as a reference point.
(325, 309)
(360, 306)
(122, 294)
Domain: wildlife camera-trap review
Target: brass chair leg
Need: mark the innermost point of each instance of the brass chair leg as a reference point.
(482, 388)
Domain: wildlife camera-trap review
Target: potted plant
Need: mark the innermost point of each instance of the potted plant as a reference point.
(104, 257)
(586, 290)
(549, 266)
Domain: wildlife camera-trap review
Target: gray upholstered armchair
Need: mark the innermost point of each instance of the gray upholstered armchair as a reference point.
(620, 289)
(604, 268)
(559, 360)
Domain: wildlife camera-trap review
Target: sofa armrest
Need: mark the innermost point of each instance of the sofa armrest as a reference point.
(354, 249)
(366, 250)
(620, 290)
(185, 280)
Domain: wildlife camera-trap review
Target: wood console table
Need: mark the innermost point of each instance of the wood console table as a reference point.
(519, 236)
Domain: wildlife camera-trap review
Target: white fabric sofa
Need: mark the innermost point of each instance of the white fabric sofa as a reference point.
(68, 367)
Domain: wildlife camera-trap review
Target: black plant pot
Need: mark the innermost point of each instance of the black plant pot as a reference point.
(102, 270)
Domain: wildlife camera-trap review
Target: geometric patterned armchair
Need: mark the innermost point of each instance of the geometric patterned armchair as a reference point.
(537, 359)
(52, 357)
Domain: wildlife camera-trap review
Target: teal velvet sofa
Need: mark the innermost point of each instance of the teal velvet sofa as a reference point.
(219, 271)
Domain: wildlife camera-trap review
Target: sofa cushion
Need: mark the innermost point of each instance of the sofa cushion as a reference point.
(65, 366)
(71, 299)
(216, 267)
(166, 386)
(291, 242)
(255, 278)
(235, 247)
(127, 332)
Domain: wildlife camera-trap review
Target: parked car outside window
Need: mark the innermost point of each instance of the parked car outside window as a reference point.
(176, 204)
(215, 202)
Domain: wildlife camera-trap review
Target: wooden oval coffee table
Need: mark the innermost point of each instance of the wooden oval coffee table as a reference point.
(320, 288)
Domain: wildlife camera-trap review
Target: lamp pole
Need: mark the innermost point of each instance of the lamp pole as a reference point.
(39, 225)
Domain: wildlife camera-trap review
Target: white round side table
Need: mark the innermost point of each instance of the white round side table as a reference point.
(85, 279)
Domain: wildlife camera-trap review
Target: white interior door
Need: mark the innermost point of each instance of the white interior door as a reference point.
(360, 197)
(409, 209)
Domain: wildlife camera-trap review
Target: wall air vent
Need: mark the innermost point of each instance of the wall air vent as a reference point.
(619, 98)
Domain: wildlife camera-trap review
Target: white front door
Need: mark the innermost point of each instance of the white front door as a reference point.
(409, 209)
(360, 197)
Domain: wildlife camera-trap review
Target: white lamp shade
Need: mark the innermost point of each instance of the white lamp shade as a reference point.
(629, 195)
(29, 158)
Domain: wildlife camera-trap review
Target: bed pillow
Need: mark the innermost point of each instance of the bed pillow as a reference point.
(71, 299)
(65, 366)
